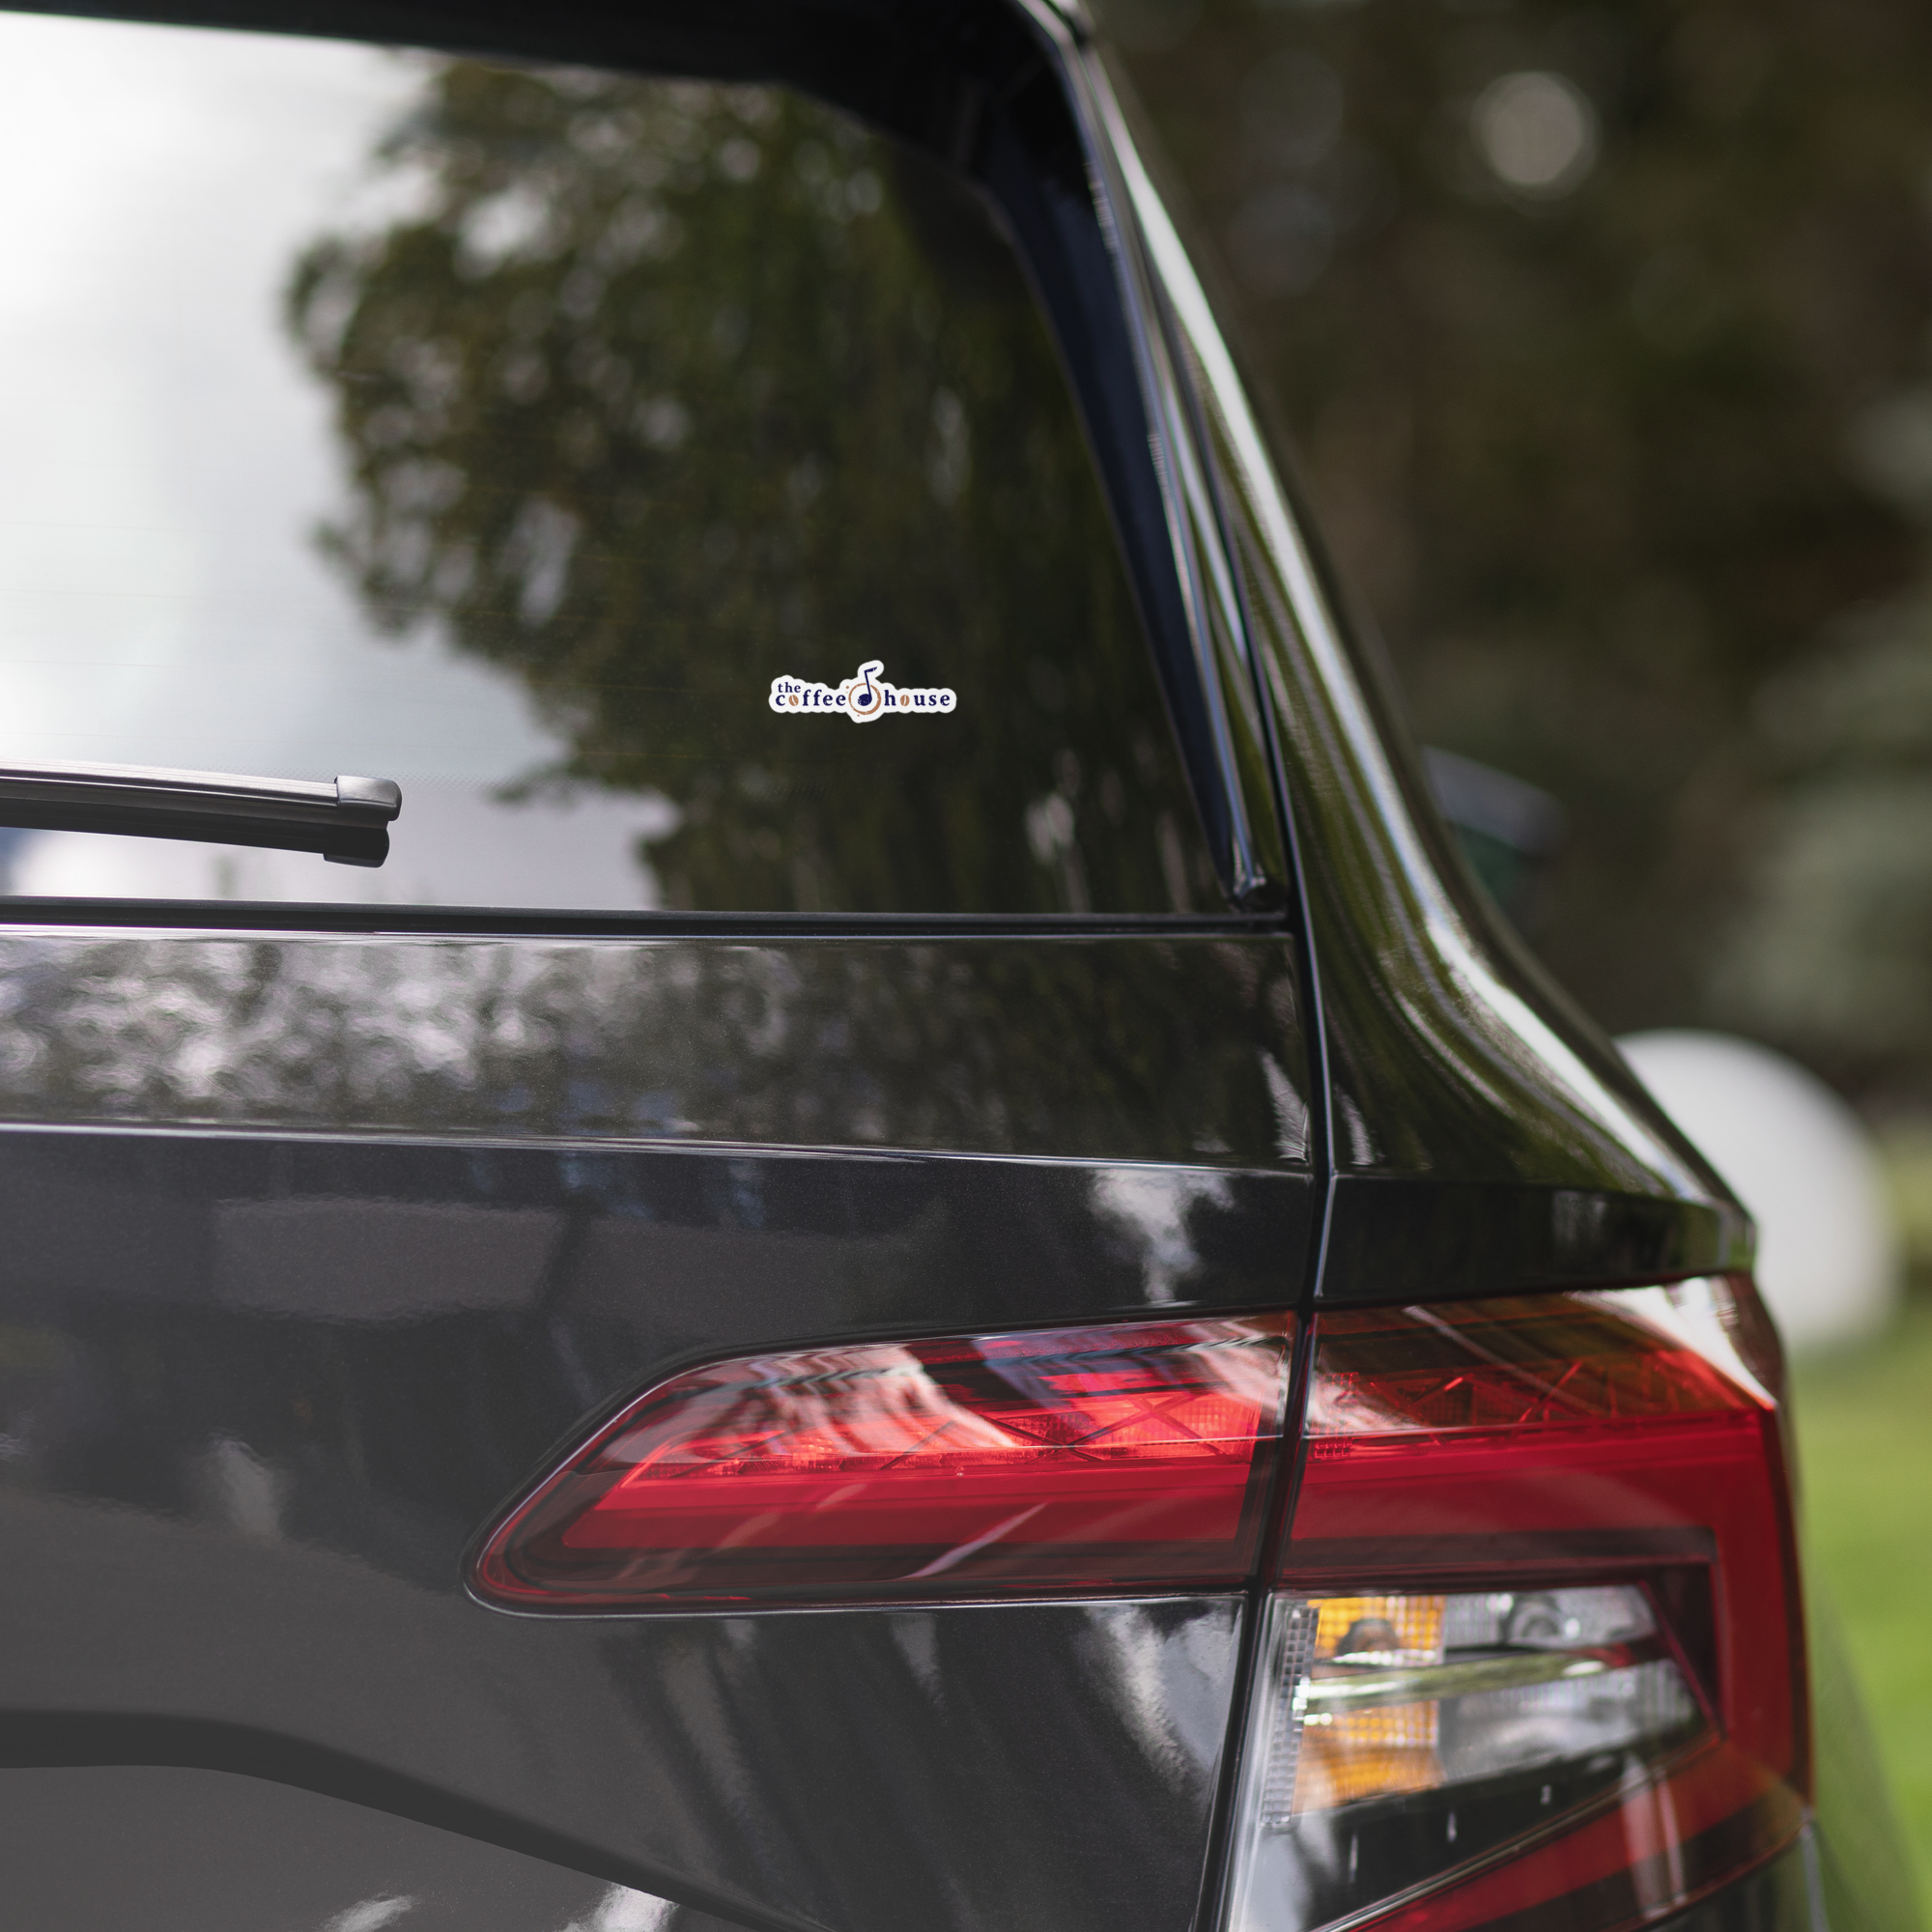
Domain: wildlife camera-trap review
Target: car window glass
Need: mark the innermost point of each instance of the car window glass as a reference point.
(518, 433)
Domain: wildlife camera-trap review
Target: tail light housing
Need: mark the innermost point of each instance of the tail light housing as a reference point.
(1533, 1651)
(1133, 1456)
(1528, 1644)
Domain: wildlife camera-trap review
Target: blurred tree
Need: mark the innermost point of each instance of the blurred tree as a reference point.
(657, 391)
(1833, 955)
(1580, 319)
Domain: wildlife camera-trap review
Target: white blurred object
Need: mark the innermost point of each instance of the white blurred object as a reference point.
(1802, 1161)
(1538, 131)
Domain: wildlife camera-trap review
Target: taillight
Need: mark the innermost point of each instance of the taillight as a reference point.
(1529, 1648)
(1084, 1460)
(1534, 1653)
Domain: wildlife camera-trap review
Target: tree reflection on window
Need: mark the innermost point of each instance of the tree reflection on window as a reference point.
(660, 391)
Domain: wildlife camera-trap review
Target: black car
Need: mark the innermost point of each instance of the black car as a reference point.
(763, 1168)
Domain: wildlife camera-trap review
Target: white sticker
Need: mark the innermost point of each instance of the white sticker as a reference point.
(862, 698)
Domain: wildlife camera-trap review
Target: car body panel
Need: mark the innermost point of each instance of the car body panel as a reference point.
(272, 1359)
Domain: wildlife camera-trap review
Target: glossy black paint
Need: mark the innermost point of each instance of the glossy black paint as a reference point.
(1166, 1046)
(268, 1359)
(861, 1769)
(1483, 1133)
(259, 1394)
(207, 1852)
(1394, 1237)
(202, 1851)
(396, 1335)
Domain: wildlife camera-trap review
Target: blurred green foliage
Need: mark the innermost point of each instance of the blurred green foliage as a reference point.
(1602, 333)
(1865, 1440)
(1905, 1158)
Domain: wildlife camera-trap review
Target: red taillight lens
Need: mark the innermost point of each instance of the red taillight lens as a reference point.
(1538, 1646)
(1531, 1646)
(1078, 1461)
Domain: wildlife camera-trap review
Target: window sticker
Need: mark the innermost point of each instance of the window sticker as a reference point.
(862, 698)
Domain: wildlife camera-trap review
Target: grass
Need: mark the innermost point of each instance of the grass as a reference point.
(1864, 1448)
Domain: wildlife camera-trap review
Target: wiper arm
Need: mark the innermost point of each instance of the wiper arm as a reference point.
(347, 821)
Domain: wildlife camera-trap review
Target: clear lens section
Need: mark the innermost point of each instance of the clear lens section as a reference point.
(1397, 1737)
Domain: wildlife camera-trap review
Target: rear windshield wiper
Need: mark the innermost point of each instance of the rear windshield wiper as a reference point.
(347, 821)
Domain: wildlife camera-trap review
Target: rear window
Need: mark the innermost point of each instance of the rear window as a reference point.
(567, 447)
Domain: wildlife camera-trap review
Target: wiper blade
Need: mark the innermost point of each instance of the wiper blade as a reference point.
(347, 821)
